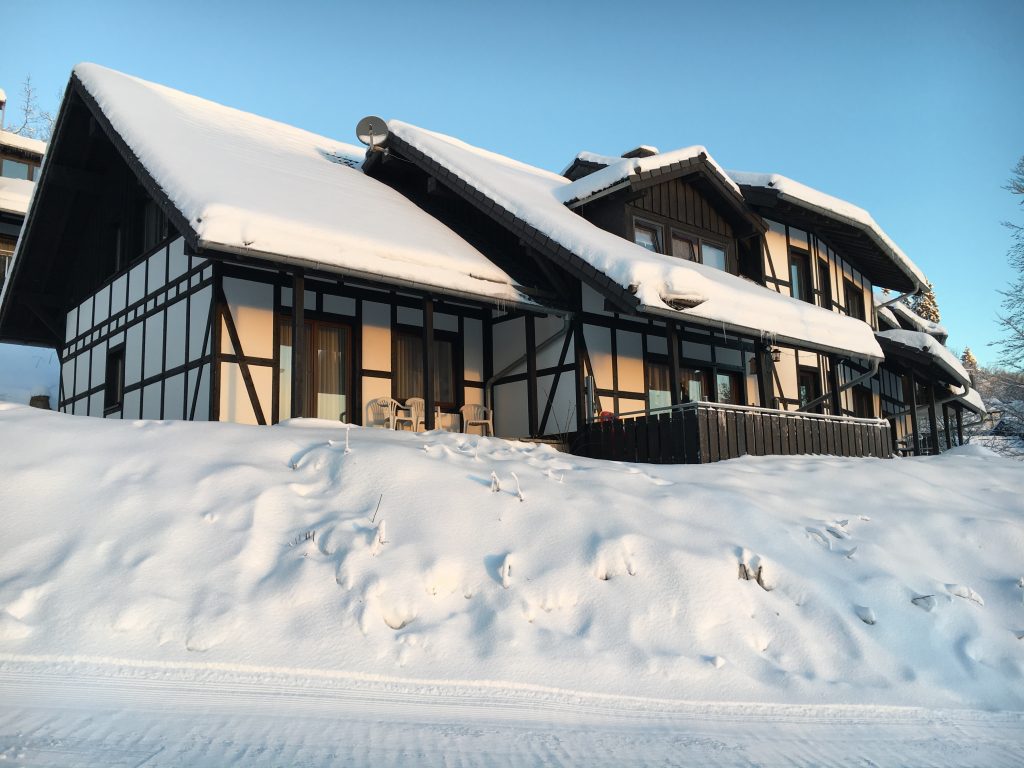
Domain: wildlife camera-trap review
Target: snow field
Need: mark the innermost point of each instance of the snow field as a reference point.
(214, 544)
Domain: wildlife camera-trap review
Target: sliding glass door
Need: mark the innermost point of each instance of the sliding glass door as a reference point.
(328, 370)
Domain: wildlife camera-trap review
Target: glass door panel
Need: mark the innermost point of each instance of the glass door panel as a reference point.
(331, 374)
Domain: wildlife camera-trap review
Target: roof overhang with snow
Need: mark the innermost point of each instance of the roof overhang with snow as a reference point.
(922, 353)
(530, 202)
(233, 183)
(846, 227)
(15, 195)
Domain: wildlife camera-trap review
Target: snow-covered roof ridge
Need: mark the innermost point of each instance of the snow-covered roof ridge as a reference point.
(623, 168)
(15, 195)
(24, 143)
(535, 197)
(250, 184)
(834, 207)
(926, 343)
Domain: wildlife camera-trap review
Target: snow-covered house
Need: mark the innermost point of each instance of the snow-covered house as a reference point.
(20, 158)
(177, 247)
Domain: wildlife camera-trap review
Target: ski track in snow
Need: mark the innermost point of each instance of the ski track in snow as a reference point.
(115, 713)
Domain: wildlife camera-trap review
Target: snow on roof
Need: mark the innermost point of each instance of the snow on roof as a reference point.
(536, 197)
(622, 168)
(884, 313)
(926, 343)
(901, 310)
(23, 143)
(249, 184)
(3, 96)
(810, 198)
(15, 195)
(973, 401)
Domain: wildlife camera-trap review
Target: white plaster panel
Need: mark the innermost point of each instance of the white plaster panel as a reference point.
(67, 377)
(410, 316)
(252, 307)
(376, 335)
(786, 370)
(99, 364)
(136, 283)
(509, 345)
(85, 315)
(511, 418)
(174, 397)
(657, 345)
(235, 404)
(446, 322)
(177, 262)
(545, 327)
(132, 404)
(176, 314)
(199, 317)
(133, 354)
(629, 351)
(562, 418)
(118, 291)
(630, 406)
(473, 350)
(200, 390)
(101, 305)
(474, 396)
(263, 381)
(339, 305)
(593, 301)
(152, 400)
(599, 347)
(373, 387)
(154, 362)
(82, 373)
(96, 404)
(156, 276)
(71, 325)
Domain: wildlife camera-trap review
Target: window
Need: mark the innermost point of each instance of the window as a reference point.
(647, 235)
(6, 256)
(409, 370)
(854, 301)
(12, 169)
(113, 386)
(808, 388)
(152, 226)
(684, 247)
(659, 387)
(800, 276)
(713, 256)
(825, 283)
(728, 388)
(327, 370)
(863, 403)
(696, 384)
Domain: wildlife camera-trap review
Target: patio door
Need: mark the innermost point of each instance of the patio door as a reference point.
(328, 370)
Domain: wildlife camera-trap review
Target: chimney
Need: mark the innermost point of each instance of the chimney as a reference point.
(644, 150)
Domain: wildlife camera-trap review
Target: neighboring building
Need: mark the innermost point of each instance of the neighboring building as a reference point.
(176, 247)
(20, 160)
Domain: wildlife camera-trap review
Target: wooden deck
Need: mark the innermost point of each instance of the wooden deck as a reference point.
(698, 433)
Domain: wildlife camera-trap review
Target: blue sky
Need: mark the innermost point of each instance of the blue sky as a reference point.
(912, 110)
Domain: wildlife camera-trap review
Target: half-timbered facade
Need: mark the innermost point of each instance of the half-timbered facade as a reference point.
(192, 261)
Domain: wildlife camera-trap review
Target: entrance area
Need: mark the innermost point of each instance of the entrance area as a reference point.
(328, 370)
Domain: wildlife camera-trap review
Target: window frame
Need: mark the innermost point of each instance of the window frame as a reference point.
(825, 282)
(803, 373)
(853, 290)
(656, 230)
(113, 386)
(801, 261)
(449, 337)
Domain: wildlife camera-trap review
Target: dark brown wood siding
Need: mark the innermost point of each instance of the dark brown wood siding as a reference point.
(681, 202)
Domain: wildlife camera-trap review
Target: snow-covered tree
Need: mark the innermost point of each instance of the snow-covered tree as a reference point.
(925, 306)
(1011, 318)
(968, 359)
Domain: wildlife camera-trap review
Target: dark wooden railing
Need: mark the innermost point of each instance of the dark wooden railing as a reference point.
(697, 433)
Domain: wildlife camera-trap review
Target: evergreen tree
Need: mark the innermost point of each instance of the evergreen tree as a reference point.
(925, 305)
(969, 360)
(1012, 316)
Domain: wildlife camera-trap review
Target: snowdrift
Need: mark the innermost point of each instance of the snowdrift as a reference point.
(445, 557)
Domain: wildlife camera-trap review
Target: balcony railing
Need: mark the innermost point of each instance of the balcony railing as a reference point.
(698, 433)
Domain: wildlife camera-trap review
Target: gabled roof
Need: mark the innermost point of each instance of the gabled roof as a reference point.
(846, 227)
(531, 202)
(926, 351)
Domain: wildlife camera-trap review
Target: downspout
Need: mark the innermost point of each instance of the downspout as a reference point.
(875, 365)
(489, 384)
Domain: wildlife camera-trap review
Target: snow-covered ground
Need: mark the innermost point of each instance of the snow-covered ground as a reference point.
(211, 594)
(27, 371)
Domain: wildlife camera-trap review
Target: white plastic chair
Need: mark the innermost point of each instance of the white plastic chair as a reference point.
(412, 414)
(477, 416)
(380, 412)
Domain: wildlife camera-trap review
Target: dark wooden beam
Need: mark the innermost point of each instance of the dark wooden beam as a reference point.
(933, 417)
(531, 375)
(299, 361)
(947, 425)
(913, 415)
(959, 424)
(672, 341)
(428, 364)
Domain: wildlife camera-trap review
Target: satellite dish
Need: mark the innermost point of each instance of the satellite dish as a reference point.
(372, 131)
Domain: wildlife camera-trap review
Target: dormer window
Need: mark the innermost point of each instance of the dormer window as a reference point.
(647, 236)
